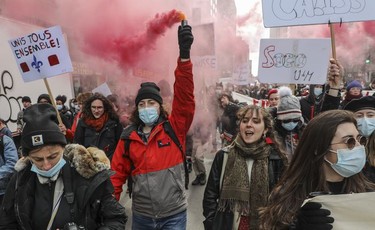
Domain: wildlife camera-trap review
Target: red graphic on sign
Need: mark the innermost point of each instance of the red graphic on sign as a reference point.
(24, 67)
(53, 60)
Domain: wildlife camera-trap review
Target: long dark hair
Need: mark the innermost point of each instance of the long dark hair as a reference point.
(86, 111)
(306, 173)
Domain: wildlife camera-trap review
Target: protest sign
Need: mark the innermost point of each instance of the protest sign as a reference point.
(278, 13)
(249, 100)
(294, 61)
(41, 54)
(350, 211)
(241, 74)
(103, 89)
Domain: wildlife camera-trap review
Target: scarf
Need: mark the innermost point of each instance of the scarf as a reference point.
(349, 97)
(97, 124)
(238, 192)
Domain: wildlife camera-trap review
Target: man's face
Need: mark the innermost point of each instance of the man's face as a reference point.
(26, 104)
(97, 108)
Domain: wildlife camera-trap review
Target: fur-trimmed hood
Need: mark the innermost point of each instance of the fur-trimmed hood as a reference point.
(87, 161)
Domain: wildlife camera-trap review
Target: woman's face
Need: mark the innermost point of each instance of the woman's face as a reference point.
(252, 127)
(274, 99)
(369, 113)
(46, 157)
(355, 91)
(97, 108)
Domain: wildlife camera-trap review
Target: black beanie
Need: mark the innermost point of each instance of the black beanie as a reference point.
(61, 98)
(26, 99)
(41, 128)
(149, 90)
(44, 96)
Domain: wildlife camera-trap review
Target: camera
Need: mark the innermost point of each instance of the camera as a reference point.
(73, 226)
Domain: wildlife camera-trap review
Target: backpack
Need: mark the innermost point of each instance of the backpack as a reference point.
(170, 132)
(2, 146)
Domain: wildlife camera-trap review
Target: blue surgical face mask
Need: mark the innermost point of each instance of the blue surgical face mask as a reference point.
(318, 91)
(52, 172)
(349, 161)
(289, 126)
(366, 126)
(148, 115)
(59, 107)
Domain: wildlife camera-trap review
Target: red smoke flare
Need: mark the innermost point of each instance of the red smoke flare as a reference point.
(128, 51)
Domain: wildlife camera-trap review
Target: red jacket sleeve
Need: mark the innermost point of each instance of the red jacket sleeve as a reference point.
(121, 166)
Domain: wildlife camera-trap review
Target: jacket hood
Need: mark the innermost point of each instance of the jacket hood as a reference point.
(88, 162)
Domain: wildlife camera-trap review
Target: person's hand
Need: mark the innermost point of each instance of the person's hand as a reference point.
(312, 216)
(62, 128)
(185, 40)
(335, 73)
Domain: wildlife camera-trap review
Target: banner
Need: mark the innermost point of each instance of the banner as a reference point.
(249, 100)
(41, 54)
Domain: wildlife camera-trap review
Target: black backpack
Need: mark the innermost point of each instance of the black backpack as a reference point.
(168, 129)
(2, 146)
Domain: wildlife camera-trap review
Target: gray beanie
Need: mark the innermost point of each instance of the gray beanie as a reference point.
(289, 106)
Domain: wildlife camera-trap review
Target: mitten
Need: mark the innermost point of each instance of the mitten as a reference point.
(185, 39)
(312, 216)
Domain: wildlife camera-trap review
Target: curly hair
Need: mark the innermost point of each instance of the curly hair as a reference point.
(86, 111)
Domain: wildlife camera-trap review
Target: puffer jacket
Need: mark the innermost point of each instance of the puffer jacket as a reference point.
(105, 140)
(215, 220)
(158, 175)
(87, 173)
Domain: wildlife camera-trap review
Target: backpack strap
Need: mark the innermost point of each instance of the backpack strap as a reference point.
(125, 136)
(68, 187)
(2, 146)
(169, 130)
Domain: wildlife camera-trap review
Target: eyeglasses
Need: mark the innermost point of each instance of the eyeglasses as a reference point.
(351, 141)
(291, 120)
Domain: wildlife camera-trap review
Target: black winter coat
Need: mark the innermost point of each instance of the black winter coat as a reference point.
(224, 220)
(105, 140)
(94, 206)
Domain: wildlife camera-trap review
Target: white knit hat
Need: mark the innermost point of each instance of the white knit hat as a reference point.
(289, 106)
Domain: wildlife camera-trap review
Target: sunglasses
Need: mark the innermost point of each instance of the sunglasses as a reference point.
(291, 120)
(351, 141)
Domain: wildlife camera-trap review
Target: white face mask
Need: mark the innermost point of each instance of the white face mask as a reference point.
(349, 161)
(148, 115)
(59, 107)
(318, 91)
(366, 126)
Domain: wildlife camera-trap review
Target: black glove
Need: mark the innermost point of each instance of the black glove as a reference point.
(185, 39)
(311, 216)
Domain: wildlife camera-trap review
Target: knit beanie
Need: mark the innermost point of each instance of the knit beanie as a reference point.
(26, 99)
(44, 96)
(353, 84)
(41, 128)
(367, 102)
(272, 91)
(61, 98)
(149, 90)
(289, 106)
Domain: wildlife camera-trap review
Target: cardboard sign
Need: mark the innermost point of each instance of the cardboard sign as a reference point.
(295, 61)
(103, 89)
(350, 211)
(306, 12)
(41, 54)
(205, 62)
(241, 75)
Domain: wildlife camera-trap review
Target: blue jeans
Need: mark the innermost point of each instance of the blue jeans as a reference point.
(175, 222)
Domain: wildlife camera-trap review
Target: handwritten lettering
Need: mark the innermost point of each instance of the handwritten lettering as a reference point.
(10, 105)
(304, 75)
(288, 10)
(279, 60)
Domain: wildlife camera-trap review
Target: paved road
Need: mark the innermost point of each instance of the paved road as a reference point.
(195, 196)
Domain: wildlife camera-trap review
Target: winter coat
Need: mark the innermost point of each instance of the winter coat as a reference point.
(312, 105)
(105, 140)
(7, 163)
(215, 220)
(228, 120)
(158, 175)
(86, 171)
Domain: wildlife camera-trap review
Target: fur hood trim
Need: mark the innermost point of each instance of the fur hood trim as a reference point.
(87, 162)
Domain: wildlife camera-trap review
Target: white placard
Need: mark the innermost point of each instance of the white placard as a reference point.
(103, 89)
(306, 12)
(241, 75)
(350, 211)
(249, 100)
(296, 61)
(41, 54)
